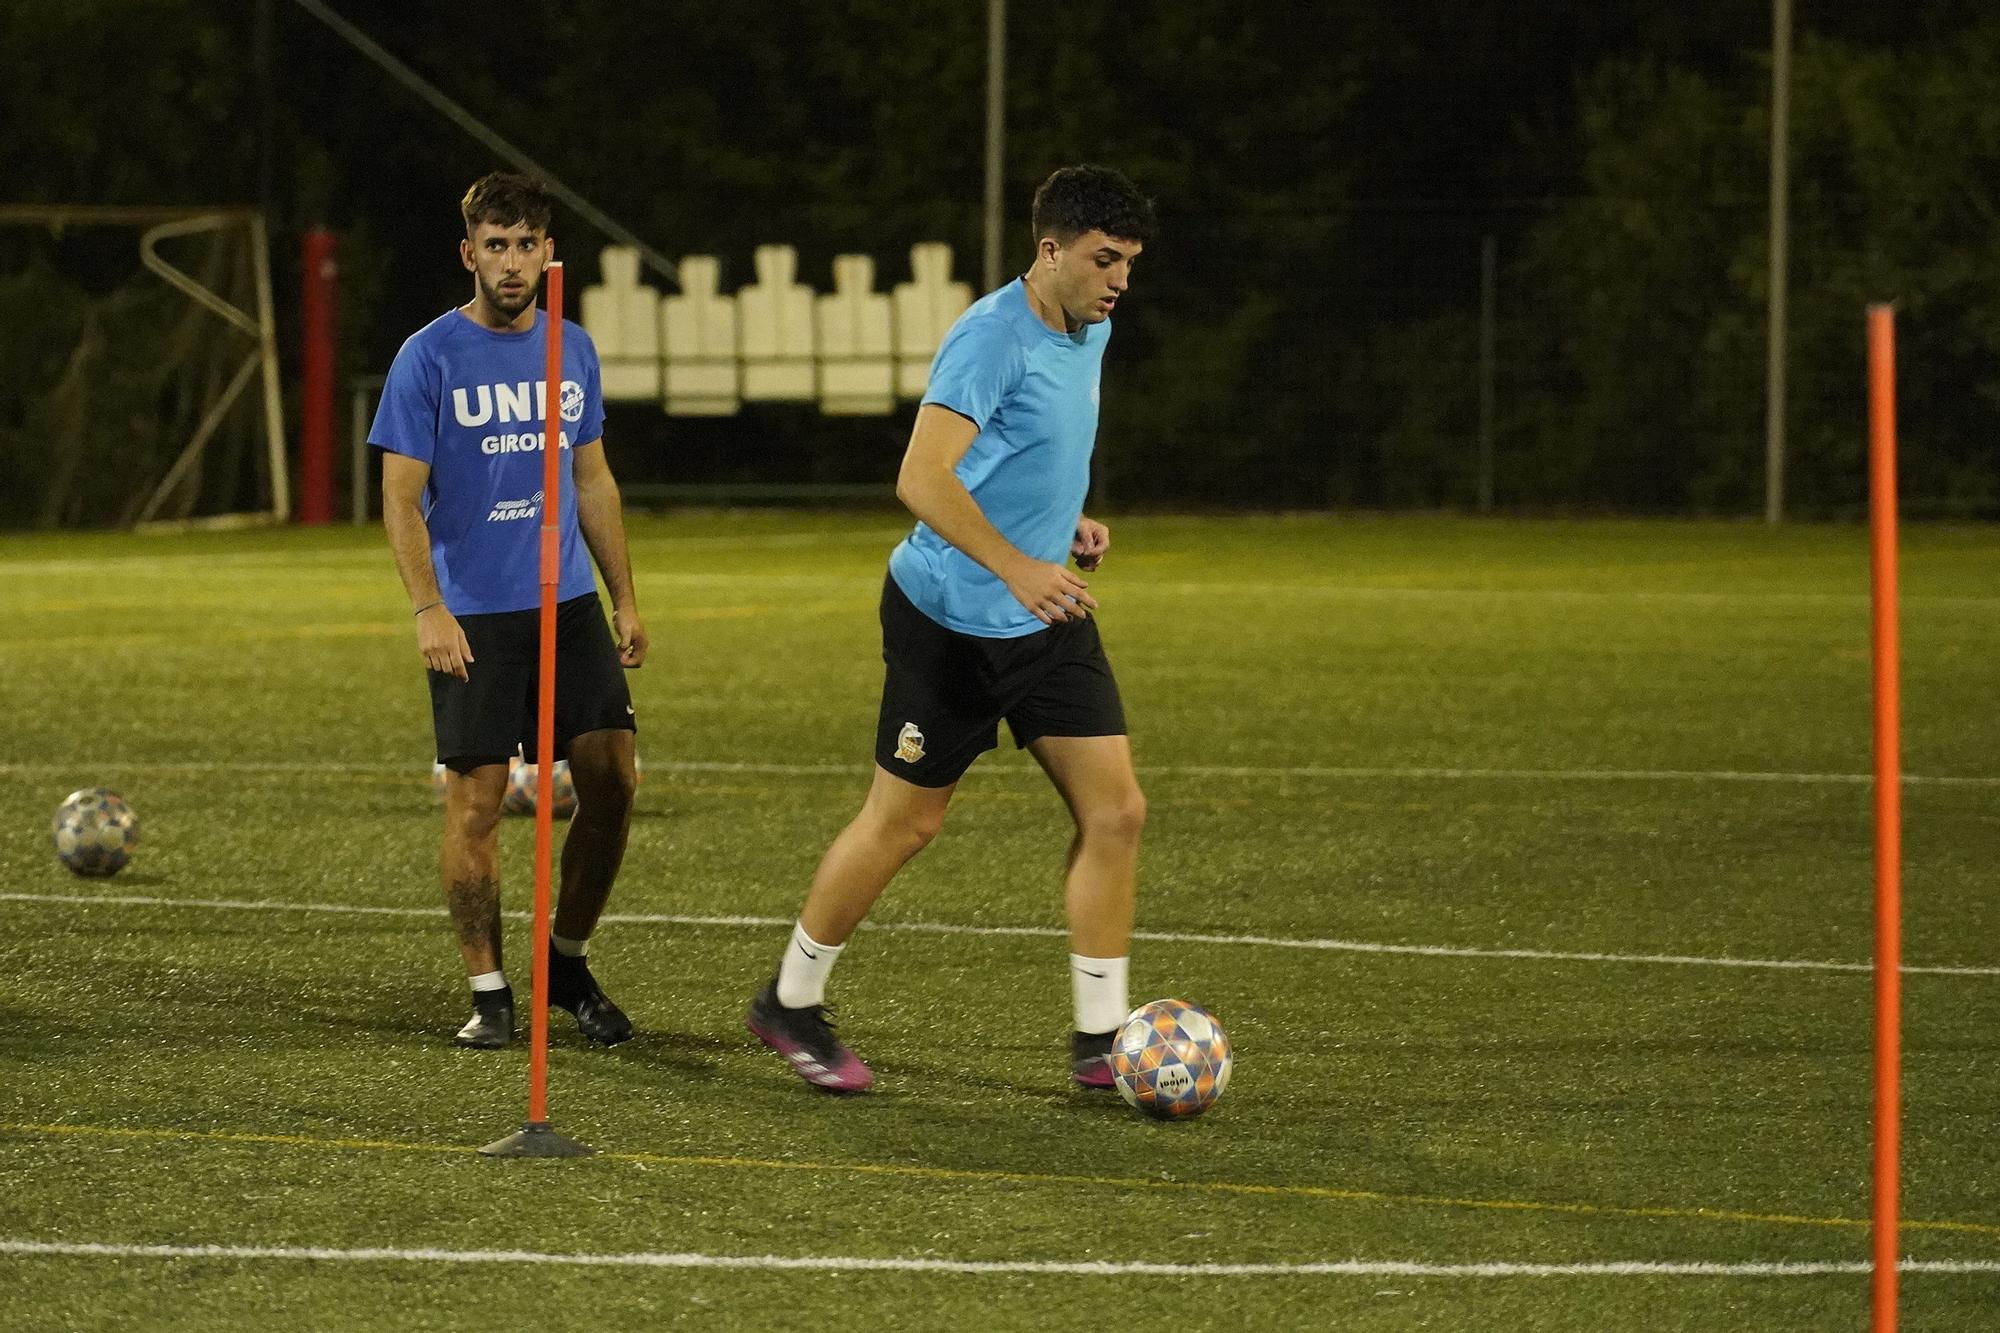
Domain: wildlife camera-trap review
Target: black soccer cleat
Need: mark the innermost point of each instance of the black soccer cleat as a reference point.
(573, 989)
(492, 1023)
(1090, 1059)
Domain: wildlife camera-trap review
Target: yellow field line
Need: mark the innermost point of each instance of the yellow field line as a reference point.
(395, 628)
(231, 1136)
(939, 1173)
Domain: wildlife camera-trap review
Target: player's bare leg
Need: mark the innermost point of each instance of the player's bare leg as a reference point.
(1095, 777)
(601, 765)
(469, 866)
(897, 820)
(470, 862)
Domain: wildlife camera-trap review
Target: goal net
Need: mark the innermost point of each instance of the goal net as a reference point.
(144, 378)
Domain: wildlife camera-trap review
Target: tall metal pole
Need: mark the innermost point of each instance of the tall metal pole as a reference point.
(996, 135)
(1774, 373)
(263, 59)
(1489, 302)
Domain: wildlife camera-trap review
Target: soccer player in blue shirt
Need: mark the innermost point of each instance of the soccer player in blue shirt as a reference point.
(460, 429)
(982, 619)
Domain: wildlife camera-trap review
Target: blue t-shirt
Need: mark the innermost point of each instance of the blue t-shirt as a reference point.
(470, 402)
(1033, 394)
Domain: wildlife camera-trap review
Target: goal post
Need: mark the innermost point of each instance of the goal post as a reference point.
(147, 419)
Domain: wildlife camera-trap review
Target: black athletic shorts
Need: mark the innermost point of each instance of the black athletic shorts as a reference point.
(944, 693)
(482, 719)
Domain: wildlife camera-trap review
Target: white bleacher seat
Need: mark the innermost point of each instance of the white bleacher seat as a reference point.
(925, 307)
(857, 368)
(774, 328)
(622, 316)
(698, 343)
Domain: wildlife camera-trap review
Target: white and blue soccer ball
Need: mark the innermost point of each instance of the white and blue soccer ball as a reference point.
(520, 797)
(94, 832)
(1171, 1059)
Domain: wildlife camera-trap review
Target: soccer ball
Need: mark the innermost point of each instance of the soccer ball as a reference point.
(94, 832)
(1171, 1059)
(520, 797)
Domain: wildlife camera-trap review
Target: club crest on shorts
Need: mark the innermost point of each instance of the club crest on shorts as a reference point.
(909, 743)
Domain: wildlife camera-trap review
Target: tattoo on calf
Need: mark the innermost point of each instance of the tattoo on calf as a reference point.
(475, 908)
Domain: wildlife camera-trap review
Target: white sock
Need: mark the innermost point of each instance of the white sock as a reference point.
(802, 976)
(569, 948)
(1097, 985)
(494, 980)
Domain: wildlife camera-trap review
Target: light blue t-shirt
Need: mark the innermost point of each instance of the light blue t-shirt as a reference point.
(1033, 394)
(471, 402)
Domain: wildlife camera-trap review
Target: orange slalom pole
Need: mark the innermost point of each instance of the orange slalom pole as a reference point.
(545, 708)
(1888, 811)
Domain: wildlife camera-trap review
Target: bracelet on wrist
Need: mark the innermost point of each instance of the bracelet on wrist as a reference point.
(427, 606)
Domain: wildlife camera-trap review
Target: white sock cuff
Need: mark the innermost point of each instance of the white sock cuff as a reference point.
(1098, 986)
(569, 948)
(800, 937)
(802, 973)
(485, 981)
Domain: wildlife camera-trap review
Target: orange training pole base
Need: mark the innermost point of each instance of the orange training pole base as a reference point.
(1888, 810)
(535, 1138)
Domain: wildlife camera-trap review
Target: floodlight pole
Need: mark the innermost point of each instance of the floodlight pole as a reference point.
(1489, 302)
(1780, 261)
(535, 1138)
(263, 59)
(996, 135)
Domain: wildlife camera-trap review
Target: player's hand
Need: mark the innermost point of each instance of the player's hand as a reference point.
(442, 642)
(1051, 592)
(1093, 539)
(631, 635)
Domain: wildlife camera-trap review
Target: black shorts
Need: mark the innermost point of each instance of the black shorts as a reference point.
(945, 693)
(482, 719)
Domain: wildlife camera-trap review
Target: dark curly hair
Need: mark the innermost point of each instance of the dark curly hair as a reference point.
(504, 199)
(1075, 200)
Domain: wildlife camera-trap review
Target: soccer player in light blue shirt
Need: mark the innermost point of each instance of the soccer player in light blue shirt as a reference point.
(1032, 392)
(984, 621)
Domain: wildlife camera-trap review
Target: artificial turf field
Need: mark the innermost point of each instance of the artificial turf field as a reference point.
(1550, 775)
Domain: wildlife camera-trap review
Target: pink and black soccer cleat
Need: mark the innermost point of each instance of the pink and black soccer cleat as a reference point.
(1090, 1059)
(804, 1036)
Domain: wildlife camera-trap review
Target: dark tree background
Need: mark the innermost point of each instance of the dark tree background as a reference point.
(1303, 333)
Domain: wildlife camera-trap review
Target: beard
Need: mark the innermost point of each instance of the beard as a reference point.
(511, 306)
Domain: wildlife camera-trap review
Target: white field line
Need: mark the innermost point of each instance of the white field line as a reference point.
(1036, 932)
(1331, 771)
(1228, 588)
(980, 1267)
